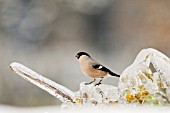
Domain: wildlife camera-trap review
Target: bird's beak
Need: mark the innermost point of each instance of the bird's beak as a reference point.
(76, 56)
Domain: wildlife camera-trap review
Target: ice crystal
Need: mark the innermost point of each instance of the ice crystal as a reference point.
(102, 94)
(148, 77)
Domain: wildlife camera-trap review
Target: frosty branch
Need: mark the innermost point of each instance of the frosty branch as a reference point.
(51, 87)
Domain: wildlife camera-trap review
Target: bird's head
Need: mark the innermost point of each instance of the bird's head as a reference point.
(82, 54)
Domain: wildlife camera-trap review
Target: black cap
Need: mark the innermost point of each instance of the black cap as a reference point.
(82, 53)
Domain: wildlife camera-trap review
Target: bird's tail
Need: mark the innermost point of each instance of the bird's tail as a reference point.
(114, 74)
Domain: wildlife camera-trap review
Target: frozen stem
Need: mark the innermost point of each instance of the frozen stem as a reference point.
(57, 90)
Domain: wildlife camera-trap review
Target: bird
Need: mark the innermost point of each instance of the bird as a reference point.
(93, 69)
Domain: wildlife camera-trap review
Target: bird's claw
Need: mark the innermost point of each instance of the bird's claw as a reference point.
(87, 83)
(90, 82)
(98, 84)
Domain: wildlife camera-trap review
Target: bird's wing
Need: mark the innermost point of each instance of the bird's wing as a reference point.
(100, 67)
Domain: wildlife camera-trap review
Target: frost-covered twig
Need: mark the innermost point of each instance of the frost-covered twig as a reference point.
(51, 87)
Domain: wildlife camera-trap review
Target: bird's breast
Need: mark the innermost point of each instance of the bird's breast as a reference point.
(90, 71)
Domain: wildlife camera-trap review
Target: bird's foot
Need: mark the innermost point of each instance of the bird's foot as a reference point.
(90, 82)
(98, 84)
(87, 83)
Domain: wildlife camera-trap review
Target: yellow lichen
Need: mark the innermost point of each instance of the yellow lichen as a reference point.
(129, 97)
(78, 100)
(149, 76)
(141, 94)
(142, 78)
(147, 57)
(113, 102)
(160, 84)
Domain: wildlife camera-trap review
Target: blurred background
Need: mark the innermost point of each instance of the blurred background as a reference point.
(45, 35)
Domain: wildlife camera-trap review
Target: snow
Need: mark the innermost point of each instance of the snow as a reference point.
(93, 109)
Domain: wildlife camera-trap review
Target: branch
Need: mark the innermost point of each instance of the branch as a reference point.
(57, 90)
